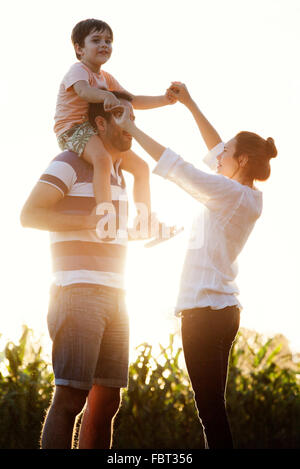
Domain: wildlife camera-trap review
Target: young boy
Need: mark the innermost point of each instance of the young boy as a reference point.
(84, 83)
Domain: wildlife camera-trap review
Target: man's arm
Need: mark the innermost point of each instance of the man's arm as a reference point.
(38, 212)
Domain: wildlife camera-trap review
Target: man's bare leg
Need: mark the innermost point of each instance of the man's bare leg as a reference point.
(96, 426)
(59, 424)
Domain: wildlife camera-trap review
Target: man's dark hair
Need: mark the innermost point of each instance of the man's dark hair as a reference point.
(85, 27)
(97, 109)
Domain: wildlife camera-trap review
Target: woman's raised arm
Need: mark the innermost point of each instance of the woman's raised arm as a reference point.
(199, 184)
(180, 92)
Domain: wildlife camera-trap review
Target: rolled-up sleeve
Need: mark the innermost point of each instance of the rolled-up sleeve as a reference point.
(164, 166)
(211, 158)
(202, 186)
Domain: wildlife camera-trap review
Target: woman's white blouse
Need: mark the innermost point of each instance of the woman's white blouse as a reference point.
(218, 235)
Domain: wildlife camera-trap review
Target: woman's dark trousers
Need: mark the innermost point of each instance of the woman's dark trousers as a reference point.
(207, 337)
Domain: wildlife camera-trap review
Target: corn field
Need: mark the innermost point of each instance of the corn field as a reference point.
(158, 410)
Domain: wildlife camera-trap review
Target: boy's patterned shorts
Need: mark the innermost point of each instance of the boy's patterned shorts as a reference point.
(76, 138)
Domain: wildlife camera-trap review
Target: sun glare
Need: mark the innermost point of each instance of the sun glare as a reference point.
(152, 275)
(152, 278)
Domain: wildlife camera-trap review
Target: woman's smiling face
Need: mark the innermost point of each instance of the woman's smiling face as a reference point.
(227, 164)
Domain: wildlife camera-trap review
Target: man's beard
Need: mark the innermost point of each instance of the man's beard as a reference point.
(121, 144)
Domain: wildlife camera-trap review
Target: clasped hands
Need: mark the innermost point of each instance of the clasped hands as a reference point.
(176, 92)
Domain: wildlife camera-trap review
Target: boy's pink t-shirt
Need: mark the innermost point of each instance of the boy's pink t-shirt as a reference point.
(70, 108)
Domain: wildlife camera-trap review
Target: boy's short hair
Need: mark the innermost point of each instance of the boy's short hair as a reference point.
(82, 29)
(97, 109)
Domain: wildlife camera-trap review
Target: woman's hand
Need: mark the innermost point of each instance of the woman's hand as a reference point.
(121, 115)
(180, 92)
(170, 97)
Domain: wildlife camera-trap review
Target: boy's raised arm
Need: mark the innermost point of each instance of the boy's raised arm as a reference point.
(152, 102)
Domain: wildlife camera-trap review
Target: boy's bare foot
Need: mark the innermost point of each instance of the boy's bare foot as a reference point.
(166, 233)
(143, 230)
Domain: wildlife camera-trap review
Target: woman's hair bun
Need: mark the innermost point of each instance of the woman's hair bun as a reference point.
(271, 150)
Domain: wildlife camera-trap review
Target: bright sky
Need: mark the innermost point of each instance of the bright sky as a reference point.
(239, 59)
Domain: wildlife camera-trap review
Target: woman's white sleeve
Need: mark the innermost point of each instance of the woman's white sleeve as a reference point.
(202, 186)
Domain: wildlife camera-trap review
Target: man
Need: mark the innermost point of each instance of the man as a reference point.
(87, 318)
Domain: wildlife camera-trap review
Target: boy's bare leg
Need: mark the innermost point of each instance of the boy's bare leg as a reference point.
(140, 171)
(133, 164)
(96, 426)
(59, 424)
(96, 154)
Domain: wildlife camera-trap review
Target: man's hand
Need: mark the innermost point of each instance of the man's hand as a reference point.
(179, 92)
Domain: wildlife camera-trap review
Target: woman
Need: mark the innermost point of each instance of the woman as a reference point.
(207, 299)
